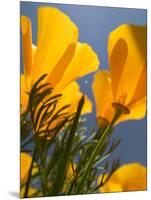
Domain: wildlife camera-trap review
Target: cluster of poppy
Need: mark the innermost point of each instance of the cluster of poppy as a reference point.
(64, 59)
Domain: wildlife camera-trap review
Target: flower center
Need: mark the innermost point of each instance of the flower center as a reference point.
(121, 108)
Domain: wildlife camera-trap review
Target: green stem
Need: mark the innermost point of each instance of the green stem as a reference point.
(45, 178)
(96, 151)
(30, 174)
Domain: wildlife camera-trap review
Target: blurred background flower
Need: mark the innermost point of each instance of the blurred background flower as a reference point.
(129, 177)
(25, 163)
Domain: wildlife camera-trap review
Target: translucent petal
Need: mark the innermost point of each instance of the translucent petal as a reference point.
(101, 87)
(132, 64)
(27, 44)
(85, 61)
(129, 177)
(55, 33)
(23, 94)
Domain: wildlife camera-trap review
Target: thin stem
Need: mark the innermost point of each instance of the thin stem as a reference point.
(100, 185)
(44, 175)
(96, 150)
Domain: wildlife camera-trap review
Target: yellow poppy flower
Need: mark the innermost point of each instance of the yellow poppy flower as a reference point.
(58, 54)
(124, 86)
(129, 177)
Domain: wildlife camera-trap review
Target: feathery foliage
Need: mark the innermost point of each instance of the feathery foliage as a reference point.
(61, 147)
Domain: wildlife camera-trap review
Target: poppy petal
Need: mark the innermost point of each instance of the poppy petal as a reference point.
(23, 90)
(85, 61)
(135, 38)
(141, 87)
(129, 177)
(61, 66)
(55, 33)
(137, 111)
(101, 87)
(117, 63)
(73, 99)
(27, 44)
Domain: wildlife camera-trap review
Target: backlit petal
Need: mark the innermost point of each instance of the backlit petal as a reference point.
(101, 87)
(23, 90)
(135, 38)
(117, 62)
(55, 33)
(62, 65)
(141, 87)
(112, 187)
(27, 45)
(129, 177)
(137, 111)
(73, 99)
(69, 94)
(85, 61)
(34, 49)
(87, 107)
